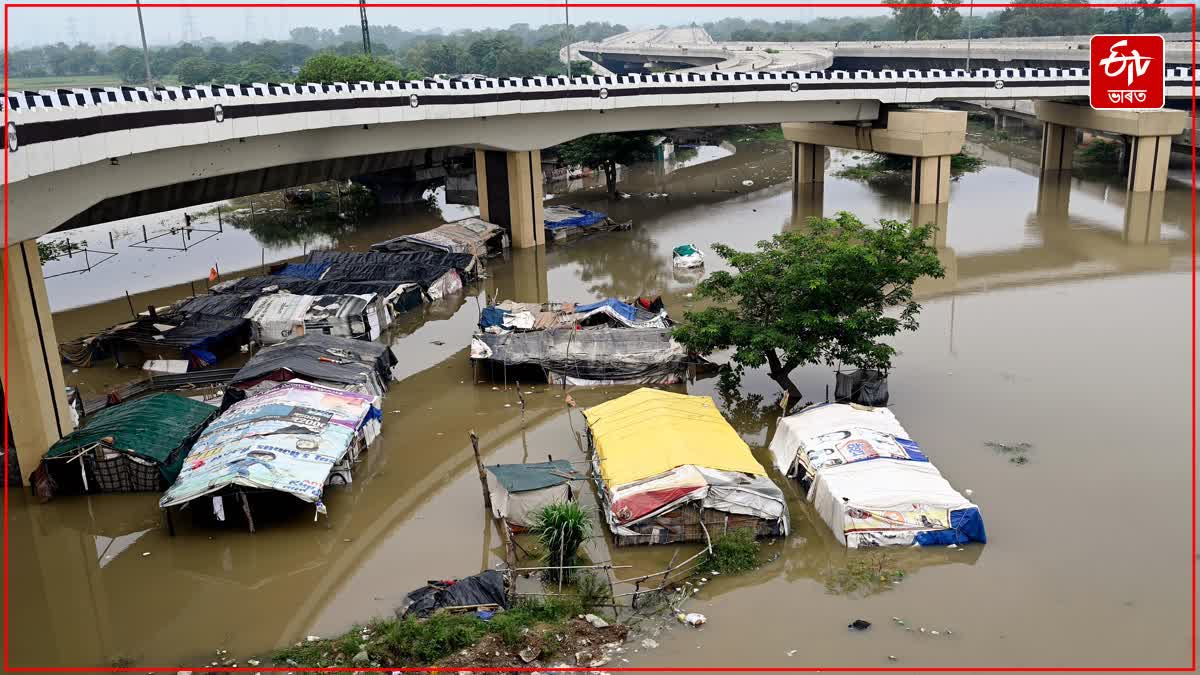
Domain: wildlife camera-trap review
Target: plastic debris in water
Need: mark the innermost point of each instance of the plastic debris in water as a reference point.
(692, 618)
(859, 624)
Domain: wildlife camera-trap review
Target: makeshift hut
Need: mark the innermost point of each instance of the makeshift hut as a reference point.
(399, 296)
(341, 363)
(292, 440)
(469, 235)
(687, 256)
(563, 222)
(201, 339)
(135, 446)
(279, 316)
(606, 342)
(518, 490)
(869, 481)
(669, 468)
(437, 273)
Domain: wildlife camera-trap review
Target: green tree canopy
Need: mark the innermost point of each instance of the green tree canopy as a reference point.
(329, 67)
(195, 70)
(606, 151)
(823, 296)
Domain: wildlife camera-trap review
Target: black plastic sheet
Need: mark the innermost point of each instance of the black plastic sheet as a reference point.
(485, 588)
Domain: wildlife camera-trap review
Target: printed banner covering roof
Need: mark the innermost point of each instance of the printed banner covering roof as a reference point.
(649, 432)
(286, 439)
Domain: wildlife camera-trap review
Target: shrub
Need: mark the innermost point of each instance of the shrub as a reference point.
(733, 552)
(560, 529)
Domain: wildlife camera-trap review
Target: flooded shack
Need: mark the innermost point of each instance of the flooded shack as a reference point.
(290, 441)
(519, 490)
(136, 446)
(670, 469)
(399, 296)
(567, 222)
(869, 482)
(469, 235)
(199, 338)
(341, 363)
(606, 342)
(438, 273)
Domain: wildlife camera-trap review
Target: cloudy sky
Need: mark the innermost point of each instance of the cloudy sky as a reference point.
(28, 26)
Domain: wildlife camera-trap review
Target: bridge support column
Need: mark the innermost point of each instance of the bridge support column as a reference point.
(1058, 147)
(1143, 217)
(510, 193)
(808, 163)
(36, 394)
(1150, 132)
(930, 137)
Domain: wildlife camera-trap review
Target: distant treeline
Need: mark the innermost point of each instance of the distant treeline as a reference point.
(519, 50)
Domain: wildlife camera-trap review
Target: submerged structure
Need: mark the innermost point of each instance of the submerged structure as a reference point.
(291, 440)
(669, 468)
(138, 445)
(519, 490)
(200, 338)
(869, 482)
(438, 273)
(469, 235)
(565, 222)
(341, 363)
(606, 342)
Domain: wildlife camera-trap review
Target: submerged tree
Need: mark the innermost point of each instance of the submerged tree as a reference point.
(606, 151)
(823, 296)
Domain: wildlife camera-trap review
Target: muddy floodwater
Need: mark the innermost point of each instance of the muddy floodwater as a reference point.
(1063, 322)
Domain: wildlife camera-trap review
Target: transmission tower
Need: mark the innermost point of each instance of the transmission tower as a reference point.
(366, 27)
(189, 26)
(73, 30)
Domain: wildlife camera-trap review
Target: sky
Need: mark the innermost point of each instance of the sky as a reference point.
(167, 25)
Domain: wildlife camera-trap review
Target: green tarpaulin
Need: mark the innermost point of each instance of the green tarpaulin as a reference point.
(526, 477)
(152, 428)
(686, 249)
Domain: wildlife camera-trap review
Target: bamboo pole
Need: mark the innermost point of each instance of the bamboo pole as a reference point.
(487, 497)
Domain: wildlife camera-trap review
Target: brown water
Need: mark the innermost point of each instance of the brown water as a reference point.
(1069, 332)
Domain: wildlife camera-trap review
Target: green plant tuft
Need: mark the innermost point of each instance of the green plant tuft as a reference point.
(865, 575)
(733, 552)
(560, 529)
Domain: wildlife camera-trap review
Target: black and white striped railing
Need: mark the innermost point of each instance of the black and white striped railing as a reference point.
(585, 86)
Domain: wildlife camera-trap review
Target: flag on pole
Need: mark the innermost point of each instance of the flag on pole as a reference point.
(212, 275)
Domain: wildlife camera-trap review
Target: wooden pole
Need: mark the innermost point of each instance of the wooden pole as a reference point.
(487, 497)
(130, 301)
(246, 509)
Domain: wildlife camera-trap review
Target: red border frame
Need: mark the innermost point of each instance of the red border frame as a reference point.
(586, 5)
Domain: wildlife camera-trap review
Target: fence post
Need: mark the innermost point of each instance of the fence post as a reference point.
(487, 497)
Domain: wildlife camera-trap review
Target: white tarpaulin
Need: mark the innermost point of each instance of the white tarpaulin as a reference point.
(280, 316)
(869, 482)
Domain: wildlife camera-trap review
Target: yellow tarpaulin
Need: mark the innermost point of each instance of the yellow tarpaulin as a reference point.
(649, 431)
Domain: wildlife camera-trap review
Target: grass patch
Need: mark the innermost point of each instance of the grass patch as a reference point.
(733, 552)
(865, 575)
(422, 642)
(763, 133)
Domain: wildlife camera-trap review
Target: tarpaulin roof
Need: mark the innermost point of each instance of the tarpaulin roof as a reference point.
(311, 271)
(626, 311)
(569, 216)
(287, 439)
(154, 428)
(229, 304)
(302, 356)
(186, 331)
(469, 235)
(300, 286)
(422, 267)
(684, 249)
(535, 476)
(607, 354)
(648, 432)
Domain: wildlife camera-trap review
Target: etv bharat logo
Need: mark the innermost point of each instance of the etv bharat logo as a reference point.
(1127, 72)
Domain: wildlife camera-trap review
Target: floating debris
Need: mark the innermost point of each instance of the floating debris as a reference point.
(859, 624)
(650, 644)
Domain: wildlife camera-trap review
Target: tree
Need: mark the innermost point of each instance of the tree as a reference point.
(329, 67)
(606, 151)
(195, 70)
(913, 20)
(825, 296)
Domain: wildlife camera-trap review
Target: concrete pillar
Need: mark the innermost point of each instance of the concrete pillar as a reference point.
(36, 392)
(1058, 147)
(1148, 159)
(510, 193)
(931, 180)
(808, 163)
(1143, 217)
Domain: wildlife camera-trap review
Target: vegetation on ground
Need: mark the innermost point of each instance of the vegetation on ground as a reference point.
(329, 67)
(733, 552)
(606, 151)
(825, 295)
(1100, 151)
(865, 574)
(560, 530)
(421, 642)
(878, 166)
(53, 249)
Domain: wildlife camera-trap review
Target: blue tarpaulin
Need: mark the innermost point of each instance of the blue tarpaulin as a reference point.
(491, 316)
(627, 311)
(584, 218)
(311, 271)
